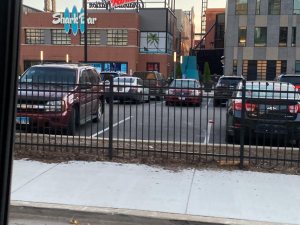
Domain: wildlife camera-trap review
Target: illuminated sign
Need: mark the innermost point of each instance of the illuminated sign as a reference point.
(113, 4)
(73, 20)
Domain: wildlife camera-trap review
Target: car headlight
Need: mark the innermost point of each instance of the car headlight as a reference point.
(55, 106)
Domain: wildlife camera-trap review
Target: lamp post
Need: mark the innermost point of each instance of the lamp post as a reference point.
(42, 57)
(175, 60)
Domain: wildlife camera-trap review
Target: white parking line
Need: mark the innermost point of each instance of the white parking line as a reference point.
(207, 136)
(116, 124)
(209, 100)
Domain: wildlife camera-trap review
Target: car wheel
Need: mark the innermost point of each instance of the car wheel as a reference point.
(158, 98)
(167, 103)
(71, 129)
(107, 100)
(99, 113)
(148, 99)
(138, 101)
(197, 104)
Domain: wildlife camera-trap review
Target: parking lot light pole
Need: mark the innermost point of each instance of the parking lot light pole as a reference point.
(85, 32)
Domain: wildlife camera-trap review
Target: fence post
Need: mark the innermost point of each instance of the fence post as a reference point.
(111, 117)
(242, 137)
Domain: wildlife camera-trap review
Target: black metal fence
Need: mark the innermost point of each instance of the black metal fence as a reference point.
(252, 123)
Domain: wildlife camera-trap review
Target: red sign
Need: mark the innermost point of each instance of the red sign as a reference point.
(115, 3)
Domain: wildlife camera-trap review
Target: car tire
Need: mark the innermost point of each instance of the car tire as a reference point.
(197, 104)
(99, 113)
(167, 103)
(71, 129)
(107, 100)
(158, 98)
(139, 101)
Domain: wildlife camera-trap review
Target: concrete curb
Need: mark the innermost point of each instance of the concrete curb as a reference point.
(120, 216)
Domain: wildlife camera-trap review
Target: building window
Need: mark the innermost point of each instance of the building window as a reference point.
(257, 11)
(59, 37)
(35, 36)
(155, 42)
(260, 37)
(283, 32)
(297, 67)
(241, 7)
(234, 70)
(294, 36)
(242, 36)
(274, 7)
(296, 6)
(153, 67)
(117, 37)
(93, 37)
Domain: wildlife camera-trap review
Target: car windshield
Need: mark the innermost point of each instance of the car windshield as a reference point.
(126, 80)
(226, 82)
(106, 76)
(145, 75)
(183, 84)
(290, 79)
(270, 91)
(49, 75)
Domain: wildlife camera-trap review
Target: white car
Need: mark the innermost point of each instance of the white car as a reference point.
(128, 89)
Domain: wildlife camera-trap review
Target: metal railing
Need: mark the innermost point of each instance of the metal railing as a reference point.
(254, 123)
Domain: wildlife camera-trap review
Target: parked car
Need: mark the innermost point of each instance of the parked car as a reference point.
(128, 89)
(106, 75)
(59, 96)
(184, 91)
(155, 81)
(224, 88)
(290, 78)
(271, 108)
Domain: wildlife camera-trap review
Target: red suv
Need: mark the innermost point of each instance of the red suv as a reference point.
(59, 96)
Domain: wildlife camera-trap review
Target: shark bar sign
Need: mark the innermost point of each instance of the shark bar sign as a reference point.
(73, 20)
(112, 4)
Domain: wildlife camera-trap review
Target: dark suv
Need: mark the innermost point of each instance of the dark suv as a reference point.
(155, 81)
(224, 88)
(271, 108)
(59, 96)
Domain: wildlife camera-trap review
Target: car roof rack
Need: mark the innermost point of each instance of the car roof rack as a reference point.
(65, 63)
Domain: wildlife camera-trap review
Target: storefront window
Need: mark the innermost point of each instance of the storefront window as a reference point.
(93, 37)
(35, 36)
(153, 67)
(117, 37)
(59, 37)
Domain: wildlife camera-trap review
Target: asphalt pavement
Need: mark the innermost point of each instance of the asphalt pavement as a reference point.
(156, 121)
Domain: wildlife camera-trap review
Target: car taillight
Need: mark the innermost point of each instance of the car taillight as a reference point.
(294, 108)
(250, 107)
(156, 84)
(238, 106)
(106, 87)
(133, 88)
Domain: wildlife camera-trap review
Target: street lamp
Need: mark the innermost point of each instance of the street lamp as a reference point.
(181, 60)
(42, 57)
(67, 58)
(175, 60)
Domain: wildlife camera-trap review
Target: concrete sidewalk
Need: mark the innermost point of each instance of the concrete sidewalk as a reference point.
(236, 194)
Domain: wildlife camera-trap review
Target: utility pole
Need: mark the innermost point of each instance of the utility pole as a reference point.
(85, 32)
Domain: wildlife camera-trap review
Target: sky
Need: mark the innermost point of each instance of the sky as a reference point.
(180, 4)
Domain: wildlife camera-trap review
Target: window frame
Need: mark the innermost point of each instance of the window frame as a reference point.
(92, 36)
(59, 38)
(116, 39)
(241, 44)
(272, 12)
(266, 43)
(40, 35)
(237, 12)
(281, 44)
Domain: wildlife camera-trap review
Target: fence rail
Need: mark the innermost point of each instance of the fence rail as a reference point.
(253, 123)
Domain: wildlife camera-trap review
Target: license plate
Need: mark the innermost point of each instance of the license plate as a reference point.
(22, 120)
(181, 98)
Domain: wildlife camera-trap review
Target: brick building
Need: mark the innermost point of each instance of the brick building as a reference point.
(118, 40)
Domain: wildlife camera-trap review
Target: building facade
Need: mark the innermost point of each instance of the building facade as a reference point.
(118, 40)
(262, 38)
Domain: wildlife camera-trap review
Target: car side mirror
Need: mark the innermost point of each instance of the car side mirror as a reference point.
(86, 85)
